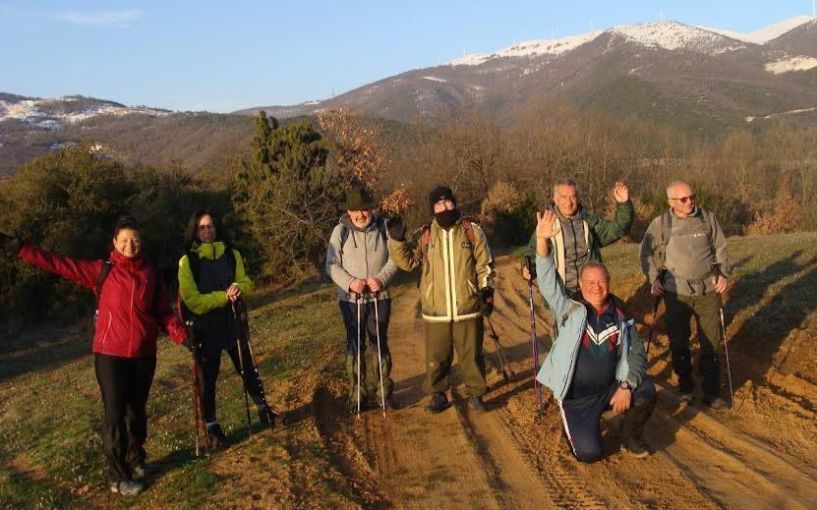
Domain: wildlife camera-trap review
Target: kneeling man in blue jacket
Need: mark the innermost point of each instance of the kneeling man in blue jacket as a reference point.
(597, 361)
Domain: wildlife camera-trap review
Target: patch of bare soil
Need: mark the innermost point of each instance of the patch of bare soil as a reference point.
(759, 454)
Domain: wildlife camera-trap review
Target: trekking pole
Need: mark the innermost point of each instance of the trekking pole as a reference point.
(507, 373)
(379, 354)
(357, 325)
(534, 344)
(241, 369)
(656, 300)
(201, 428)
(726, 352)
(244, 324)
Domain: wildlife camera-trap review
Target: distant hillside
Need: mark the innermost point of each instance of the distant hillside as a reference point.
(694, 78)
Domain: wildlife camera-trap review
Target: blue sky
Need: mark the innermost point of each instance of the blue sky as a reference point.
(223, 56)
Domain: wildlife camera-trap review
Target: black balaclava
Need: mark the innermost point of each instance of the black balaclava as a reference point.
(446, 219)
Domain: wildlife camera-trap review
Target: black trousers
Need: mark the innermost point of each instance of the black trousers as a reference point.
(210, 367)
(125, 385)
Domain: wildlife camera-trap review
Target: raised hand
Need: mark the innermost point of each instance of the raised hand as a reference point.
(621, 192)
(545, 225)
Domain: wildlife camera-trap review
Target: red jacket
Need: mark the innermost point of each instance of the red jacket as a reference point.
(128, 319)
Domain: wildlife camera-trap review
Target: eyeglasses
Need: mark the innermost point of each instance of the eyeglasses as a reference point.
(683, 200)
(207, 226)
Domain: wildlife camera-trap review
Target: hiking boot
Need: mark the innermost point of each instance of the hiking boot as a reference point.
(267, 416)
(218, 439)
(144, 470)
(438, 403)
(687, 398)
(715, 402)
(475, 404)
(127, 487)
(636, 447)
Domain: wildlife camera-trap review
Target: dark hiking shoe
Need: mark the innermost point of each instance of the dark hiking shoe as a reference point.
(145, 470)
(475, 404)
(438, 403)
(127, 487)
(636, 447)
(267, 416)
(390, 404)
(715, 402)
(687, 398)
(218, 439)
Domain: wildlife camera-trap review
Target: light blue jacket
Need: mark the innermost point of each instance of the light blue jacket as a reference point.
(571, 319)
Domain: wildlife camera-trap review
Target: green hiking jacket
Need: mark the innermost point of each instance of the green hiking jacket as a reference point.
(452, 273)
(598, 234)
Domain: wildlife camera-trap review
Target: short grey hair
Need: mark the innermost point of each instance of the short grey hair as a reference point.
(594, 265)
(565, 182)
(678, 183)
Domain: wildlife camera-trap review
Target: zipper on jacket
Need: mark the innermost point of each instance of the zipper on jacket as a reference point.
(130, 324)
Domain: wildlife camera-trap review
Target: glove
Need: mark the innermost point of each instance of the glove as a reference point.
(397, 229)
(486, 301)
(10, 245)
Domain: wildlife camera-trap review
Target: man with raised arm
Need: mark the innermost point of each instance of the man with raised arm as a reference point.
(597, 361)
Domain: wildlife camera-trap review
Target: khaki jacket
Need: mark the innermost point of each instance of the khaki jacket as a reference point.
(452, 274)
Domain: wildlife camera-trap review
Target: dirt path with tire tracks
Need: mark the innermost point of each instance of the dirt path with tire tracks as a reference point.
(508, 458)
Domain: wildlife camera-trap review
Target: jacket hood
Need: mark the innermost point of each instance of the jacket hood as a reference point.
(346, 220)
(210, 251)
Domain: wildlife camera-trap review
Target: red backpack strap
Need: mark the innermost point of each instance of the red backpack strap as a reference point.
(425, 239)
(468, 227)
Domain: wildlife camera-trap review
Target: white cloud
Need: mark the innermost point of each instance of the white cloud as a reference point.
(100, 18)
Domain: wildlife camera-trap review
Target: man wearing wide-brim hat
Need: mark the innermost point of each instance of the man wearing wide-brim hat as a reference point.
(357, 260)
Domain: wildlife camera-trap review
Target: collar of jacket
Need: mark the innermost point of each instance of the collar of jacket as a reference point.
(695, 212)
(346, 220)
(210, 251)
(580, 215)
(126, 262)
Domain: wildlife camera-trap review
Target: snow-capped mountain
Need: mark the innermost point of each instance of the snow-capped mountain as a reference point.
(52, 114)
(736, 75)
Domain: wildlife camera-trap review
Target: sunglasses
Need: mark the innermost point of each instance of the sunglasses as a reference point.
(688, 198)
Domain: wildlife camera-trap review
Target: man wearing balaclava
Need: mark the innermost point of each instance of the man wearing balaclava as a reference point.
(456, 291)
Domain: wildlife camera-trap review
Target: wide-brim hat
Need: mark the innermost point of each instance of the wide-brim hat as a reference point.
(359, 199)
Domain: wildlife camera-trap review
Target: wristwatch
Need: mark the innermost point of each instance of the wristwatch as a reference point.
(624, 385)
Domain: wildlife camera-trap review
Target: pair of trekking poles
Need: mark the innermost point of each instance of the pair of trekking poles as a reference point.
(379, 349)
(656, 302)
(241, 319)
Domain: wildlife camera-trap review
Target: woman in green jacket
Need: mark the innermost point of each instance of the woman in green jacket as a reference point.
(211, 280)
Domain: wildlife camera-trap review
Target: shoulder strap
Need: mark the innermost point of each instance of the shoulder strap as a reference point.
(194, 262)
(344, 235)
(425, 240)
(230, 254)
(103, 274)
(468, 227)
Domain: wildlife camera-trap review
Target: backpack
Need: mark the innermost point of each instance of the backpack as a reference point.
(665, 233)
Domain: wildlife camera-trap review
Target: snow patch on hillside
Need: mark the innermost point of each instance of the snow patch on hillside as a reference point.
(791, 64)
(434, 78)
(32, 111)
(767, 33)
(528, 49)
(671, 35)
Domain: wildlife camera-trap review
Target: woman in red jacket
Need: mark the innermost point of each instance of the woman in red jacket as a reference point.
(133, 305)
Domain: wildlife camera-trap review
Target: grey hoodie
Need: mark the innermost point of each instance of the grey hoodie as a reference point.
(364, 254)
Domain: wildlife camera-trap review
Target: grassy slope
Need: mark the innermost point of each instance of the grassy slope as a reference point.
(49, 416)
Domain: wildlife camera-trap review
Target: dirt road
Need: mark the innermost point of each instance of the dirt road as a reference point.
(757, 455)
